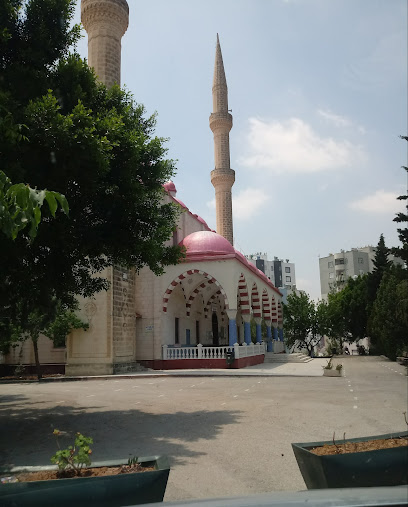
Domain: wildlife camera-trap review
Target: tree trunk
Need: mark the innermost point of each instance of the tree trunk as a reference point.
(37, 360)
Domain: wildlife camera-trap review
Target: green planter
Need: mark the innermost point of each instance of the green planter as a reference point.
(109, 491)
(383, 467)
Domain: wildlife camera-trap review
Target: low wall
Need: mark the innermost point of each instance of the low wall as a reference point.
(7, 370)
(196, 364)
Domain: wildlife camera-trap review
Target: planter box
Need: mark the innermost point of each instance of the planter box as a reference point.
(383, 467)
(106, 491)
(333, 372)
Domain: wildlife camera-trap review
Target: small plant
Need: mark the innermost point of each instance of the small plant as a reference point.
(329, 365)
(74, 457)
(132, 461)
(339, 367)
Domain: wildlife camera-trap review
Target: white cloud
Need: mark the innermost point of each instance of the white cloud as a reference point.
(379, 202)
(245, 204)
(248, 203)
(335, 119)
(293, 146)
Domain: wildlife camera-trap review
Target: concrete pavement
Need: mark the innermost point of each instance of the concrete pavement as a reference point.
(225, 436)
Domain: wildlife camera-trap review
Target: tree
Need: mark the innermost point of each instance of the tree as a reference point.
(381, 266)
(54, 322)
(300, 322)
(91, 144)
(389, 317)
(402, 252)
(20, 206)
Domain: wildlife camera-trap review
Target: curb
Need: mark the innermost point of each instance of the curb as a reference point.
(153, 375)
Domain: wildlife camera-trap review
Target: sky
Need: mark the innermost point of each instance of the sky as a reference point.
(318, 92)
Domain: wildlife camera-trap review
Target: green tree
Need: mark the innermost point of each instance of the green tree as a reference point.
(300, 323)
(381, 266)
(91, 144)
(389, 317)
(20, 206)
(402, 252)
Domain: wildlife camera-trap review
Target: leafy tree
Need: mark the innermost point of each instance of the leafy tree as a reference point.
(91, 144)
(20, 206)
(300, 322)
(381, 266)
(389, 317)
(402, 252)
(353, 303)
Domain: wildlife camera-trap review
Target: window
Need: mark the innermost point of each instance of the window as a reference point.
(289, 287)
(288, 279)
(360, 260)
(331, 275)
(197, 331)
(287, 270)
(338, 261)
(176, 330)
(330, 264)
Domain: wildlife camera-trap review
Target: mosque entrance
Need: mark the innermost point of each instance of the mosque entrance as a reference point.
(216, 339)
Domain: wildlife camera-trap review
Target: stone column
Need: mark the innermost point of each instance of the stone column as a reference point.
(258, 321)
(106, 22)
(280, 331)
(247, 328)
(232, 326)
(275, 334)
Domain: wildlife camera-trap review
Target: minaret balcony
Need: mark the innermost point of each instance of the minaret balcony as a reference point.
(221, 121)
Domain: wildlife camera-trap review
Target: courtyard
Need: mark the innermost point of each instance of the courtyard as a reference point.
(225, 436)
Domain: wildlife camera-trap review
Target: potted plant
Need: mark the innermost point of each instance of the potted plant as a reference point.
(329, 371)
(72, 481)
(380, 460)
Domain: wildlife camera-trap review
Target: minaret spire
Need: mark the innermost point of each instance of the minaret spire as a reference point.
(222, 177)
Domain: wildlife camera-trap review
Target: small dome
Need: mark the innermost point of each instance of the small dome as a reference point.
(170, 187)
(206, 243)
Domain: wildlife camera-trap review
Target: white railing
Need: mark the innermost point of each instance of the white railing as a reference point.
(200, 352)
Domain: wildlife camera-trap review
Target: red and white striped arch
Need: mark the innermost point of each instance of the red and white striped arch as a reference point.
(265, 305)
(209, 280)
(255, 300)
(211, 300)
(274, 311)
(243, 296)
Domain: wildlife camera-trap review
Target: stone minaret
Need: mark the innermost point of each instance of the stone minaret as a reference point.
(222, 177)
(106, 21)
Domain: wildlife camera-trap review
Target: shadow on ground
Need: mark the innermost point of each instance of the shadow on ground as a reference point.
(26, 428)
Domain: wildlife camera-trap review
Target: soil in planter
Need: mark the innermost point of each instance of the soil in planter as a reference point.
(46, 475)
(369, 445)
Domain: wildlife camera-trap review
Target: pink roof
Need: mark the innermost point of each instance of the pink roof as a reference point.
(180, 202)
(201, 220)
(170, 187)
(207, 244)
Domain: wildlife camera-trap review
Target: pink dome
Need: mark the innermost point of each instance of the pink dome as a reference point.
(207, 243)
(170, 187)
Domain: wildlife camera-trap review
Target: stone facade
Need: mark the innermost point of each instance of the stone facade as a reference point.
(106, 22)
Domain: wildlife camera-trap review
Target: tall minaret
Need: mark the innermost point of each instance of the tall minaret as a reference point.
(222, 177)
(106, 22)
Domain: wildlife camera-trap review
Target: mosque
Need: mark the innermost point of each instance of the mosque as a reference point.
(198, 310)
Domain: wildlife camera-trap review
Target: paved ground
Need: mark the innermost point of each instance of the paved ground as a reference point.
(225, 436)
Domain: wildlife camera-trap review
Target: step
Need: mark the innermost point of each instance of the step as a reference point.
(270, 357)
